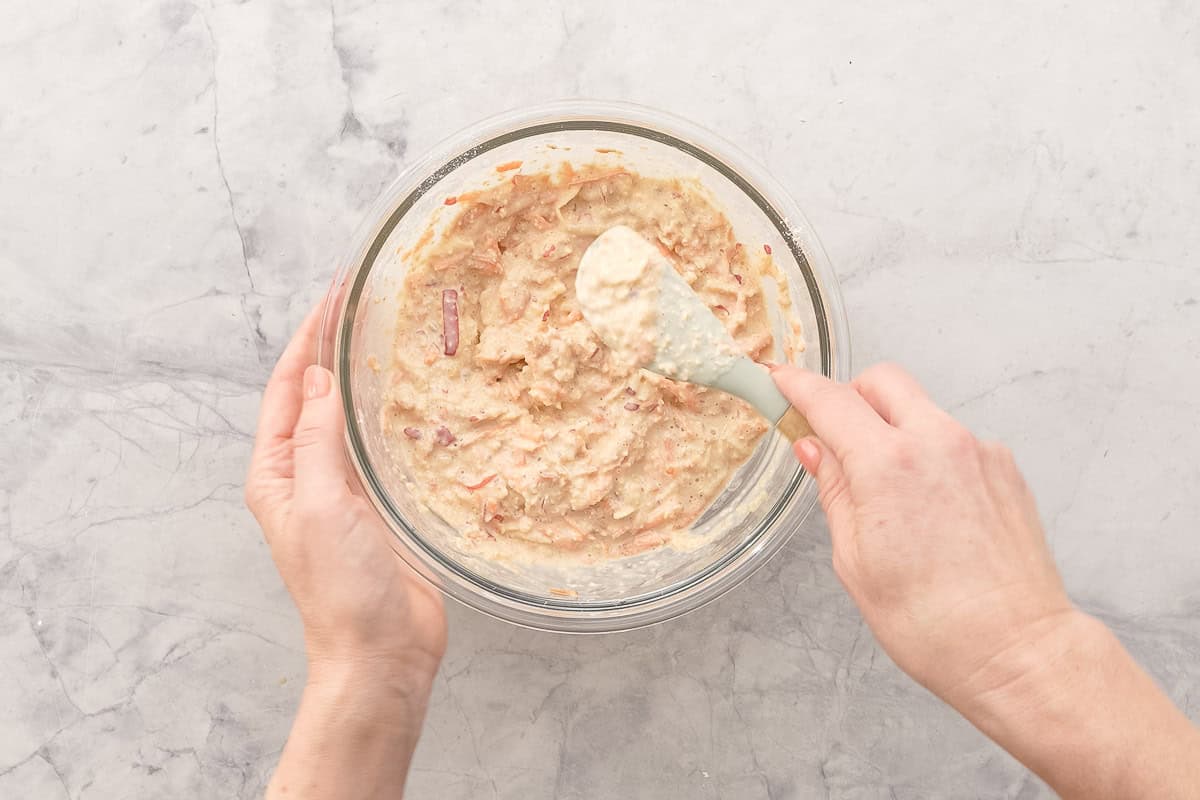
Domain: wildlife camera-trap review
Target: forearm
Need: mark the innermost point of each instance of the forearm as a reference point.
(353, 736)
(1074, 707)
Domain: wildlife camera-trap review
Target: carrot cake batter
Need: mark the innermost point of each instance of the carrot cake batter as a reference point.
(516, 421)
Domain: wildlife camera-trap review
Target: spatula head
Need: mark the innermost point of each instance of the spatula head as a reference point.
(645, 311)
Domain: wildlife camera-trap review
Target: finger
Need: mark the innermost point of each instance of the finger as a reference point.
(893, 393)
(281, 398)
(823, 465)
(838, 414)
(319, 456)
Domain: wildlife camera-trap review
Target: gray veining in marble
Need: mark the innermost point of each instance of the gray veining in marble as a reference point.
(1010, 193)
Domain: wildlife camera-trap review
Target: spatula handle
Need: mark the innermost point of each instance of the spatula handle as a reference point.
(793, 425)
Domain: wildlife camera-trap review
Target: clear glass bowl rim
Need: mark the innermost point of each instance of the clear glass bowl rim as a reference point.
(420, 177)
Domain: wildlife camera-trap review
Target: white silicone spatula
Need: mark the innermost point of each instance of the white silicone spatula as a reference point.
(641, 307)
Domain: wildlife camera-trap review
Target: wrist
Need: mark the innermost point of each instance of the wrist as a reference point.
(333, 661)
(365, 690)
(1035, 666)
(1071, 704)
(356, 729)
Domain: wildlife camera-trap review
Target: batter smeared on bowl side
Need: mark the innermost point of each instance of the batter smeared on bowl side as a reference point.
(516, 422)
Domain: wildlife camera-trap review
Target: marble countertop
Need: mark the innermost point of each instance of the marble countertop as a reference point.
(1009, 194)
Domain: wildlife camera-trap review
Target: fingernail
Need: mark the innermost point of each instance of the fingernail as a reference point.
(316, 382)
(809, 454)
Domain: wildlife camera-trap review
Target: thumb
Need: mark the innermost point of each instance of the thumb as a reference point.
(318, 454)
(822, 464)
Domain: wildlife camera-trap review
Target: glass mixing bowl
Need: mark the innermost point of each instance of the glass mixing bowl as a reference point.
(768, 497)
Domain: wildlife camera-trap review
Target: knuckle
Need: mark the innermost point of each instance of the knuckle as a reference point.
(828, 392)
(305, 437)
(997, 450)
(958, 440)
(828, 398)
(902, 453)
(834, 491)
(1000, 455)
(875, 372)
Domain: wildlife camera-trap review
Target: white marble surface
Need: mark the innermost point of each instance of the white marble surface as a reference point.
(1010, 193)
